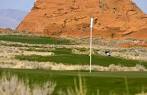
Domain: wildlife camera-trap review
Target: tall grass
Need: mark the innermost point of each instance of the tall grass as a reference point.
(11, 85)
(79, 89)
(127, 87)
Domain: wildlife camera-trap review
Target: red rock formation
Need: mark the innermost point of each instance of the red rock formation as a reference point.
(113, 18)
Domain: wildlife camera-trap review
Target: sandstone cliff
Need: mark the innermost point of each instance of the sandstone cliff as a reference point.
(113, 18)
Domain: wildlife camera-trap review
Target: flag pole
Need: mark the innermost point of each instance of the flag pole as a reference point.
(90, 46)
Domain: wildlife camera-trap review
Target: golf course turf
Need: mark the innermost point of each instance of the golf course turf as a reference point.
(65, 56)
(33, 39)
(106, 83)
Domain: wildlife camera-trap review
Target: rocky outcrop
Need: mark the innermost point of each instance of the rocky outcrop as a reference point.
(71, 18)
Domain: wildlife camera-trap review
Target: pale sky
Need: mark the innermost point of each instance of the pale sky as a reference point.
(142, 4)
(26, 5)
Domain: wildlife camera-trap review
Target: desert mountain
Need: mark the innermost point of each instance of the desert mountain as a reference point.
(71, 18)
(10, 18)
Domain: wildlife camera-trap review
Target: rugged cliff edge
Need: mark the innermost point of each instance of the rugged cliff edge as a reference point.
(70, 18)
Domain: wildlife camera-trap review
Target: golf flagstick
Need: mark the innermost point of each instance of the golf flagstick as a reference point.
(91, 30)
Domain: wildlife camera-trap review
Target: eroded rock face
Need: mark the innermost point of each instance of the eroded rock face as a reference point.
(71, 18)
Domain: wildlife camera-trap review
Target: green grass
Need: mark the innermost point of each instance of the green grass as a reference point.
(62, 51)
(65, 56)
(33, 39)
(106, 82)
(55, 50)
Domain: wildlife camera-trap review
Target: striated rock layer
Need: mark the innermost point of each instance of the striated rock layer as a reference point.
(71, 18)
